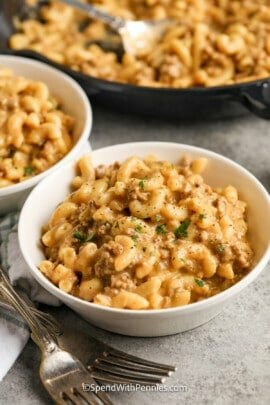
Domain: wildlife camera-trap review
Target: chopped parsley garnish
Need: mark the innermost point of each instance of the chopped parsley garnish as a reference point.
(220, 248)
(28, 170)
(202, 216)
(141, 184)
(181, 231)
(134, 237)
(199, 282)
(161, 229)
(138, 228)
(83, 237)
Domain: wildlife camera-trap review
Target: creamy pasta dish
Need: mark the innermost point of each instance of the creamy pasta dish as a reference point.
(146, 234)
(34, 131)
(210, 42)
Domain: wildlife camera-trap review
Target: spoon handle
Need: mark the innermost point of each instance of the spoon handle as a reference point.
(113, 22)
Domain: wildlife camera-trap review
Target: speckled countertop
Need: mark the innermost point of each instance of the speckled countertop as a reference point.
(224, 362)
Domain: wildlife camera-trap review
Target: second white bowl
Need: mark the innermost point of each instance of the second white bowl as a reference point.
(220, 172)
(74, 102)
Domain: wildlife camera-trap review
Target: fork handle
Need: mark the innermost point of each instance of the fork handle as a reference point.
(114, 22)
(44, 338)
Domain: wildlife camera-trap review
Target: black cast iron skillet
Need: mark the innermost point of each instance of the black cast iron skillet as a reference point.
(193, 103)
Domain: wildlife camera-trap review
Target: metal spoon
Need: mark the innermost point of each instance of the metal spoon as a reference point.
(138, 37)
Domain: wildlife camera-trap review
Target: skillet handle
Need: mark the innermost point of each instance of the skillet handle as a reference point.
(256, 98)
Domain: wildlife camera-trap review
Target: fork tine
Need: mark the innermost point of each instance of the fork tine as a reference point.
(127, 373)
(59, 400)
(69, 396)
(132, 366)
(76, 399)
(114, 379)
(103, 397)
(88, 396)
(118, 353)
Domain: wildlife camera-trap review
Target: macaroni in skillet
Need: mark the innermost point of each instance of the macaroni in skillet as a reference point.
(210, 42)
(34, 131)
(146, 234)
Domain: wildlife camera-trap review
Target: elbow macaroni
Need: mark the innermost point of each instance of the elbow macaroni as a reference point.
(210, 42)
(34, 132)
(130, 237)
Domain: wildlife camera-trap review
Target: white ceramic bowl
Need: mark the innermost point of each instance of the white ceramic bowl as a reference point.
(220, 172)
(74, 102)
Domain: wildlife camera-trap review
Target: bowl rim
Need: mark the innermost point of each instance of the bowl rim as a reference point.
(186, 309)
(84, 133)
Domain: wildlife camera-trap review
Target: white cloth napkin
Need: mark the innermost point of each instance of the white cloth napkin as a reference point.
(13, 332)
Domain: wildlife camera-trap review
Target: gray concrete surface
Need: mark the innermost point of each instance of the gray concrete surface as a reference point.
(224, 362)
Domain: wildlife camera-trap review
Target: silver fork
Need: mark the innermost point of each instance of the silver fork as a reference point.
(104, 363)
(61, 373)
